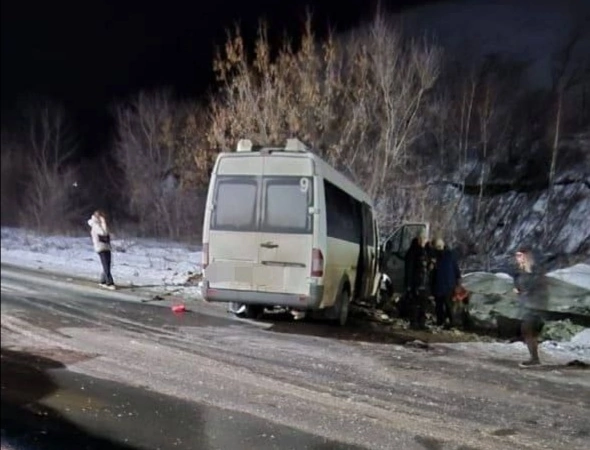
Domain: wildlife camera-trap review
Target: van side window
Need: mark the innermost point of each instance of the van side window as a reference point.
(235, 204)
(343, 214)
(394, 244)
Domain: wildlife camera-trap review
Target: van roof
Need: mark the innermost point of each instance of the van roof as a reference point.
(322, 167)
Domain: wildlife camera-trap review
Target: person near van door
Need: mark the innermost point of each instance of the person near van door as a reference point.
(407, 299)
(417, 280)
(431, 255)
(530, 285)
(101, 240)
(446, 277)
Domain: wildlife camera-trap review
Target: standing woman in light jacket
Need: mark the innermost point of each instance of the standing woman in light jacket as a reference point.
(531, 286)
(101, 240)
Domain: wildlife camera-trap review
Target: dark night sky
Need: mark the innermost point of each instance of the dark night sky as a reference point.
(89, 53)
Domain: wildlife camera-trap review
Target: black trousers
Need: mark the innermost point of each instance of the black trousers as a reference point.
(443, 305)
(419, 301)
(533, 324)
(105, 260)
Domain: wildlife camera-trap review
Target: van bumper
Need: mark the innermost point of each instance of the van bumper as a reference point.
(297, 301)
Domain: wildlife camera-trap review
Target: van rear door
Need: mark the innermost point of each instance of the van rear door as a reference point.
(286, 226)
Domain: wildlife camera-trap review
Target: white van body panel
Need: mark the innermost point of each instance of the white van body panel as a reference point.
(266, 258)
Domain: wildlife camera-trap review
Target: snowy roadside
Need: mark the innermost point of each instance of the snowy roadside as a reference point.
(578, 348)
(146, 263)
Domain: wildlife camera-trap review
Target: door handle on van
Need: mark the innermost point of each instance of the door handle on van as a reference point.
(269, 245)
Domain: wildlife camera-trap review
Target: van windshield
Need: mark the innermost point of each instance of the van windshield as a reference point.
(271, 204)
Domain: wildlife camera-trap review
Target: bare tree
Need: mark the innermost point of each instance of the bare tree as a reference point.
(569, 71)
(403, 74)
(51, 144)
(143, 155)
(14, 163)
(486, 112)
(356, 98)
(195, 157)
(157, 149)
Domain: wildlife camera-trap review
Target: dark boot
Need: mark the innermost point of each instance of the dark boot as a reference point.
(420, 318)
(531, 328)
(439, 307)
(449, 310)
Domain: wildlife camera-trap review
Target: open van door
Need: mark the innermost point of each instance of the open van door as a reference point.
(367, 266)
(394, 250)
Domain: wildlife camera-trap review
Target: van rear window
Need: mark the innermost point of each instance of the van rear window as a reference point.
(284, 200)
(286, 205)
(235, 204)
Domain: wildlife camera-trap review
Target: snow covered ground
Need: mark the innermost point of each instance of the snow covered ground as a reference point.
(169, 265)
(137, 262)
(551, 352)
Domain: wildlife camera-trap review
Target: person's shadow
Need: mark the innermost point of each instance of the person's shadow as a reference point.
(25, 422)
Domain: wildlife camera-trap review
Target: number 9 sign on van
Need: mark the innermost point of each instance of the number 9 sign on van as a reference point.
(304, 185)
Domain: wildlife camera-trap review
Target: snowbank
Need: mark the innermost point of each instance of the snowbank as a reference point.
(578, 275)
(494, 305)
(577, 348)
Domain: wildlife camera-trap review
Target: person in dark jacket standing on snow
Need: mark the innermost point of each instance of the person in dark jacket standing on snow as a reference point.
(446, 277)
(531, 286)
(101, 241)
(417, 280)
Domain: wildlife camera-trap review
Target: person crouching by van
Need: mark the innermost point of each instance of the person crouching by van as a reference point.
(446, 277)
(101, 240)
(417, 280)
(531, 286)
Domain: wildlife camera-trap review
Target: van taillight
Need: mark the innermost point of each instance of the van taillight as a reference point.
(205, 256)
(317, 263)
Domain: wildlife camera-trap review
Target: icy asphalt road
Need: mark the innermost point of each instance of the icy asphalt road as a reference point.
(112, 366)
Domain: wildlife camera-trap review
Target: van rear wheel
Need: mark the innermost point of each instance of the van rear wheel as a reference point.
(343, 308)
(245, 311)
(254, 311)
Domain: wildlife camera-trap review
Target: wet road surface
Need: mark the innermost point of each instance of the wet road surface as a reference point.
(108, 370)
(45, 405)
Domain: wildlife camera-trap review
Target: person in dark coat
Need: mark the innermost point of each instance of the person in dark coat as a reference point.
(408, 263)
(446, 277)
(417, 280)
(404, 305)
(531, 286)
